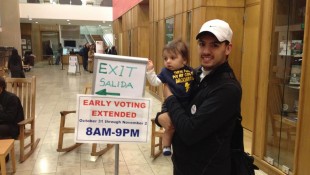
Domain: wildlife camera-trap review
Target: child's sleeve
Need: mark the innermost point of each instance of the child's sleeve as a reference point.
(152, 78)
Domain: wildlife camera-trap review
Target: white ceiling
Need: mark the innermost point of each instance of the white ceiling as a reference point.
(55, 14)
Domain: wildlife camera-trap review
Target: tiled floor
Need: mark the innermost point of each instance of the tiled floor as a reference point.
(56, 91)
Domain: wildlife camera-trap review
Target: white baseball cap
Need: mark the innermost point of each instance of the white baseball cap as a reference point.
(217, 27)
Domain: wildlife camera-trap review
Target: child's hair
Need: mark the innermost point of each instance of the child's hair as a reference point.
(178, 46)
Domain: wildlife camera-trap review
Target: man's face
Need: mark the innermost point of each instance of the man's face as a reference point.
(212, 52)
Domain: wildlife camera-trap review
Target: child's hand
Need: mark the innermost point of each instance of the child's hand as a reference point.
(149, 65)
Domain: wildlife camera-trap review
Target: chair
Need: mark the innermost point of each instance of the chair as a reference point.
(156, 133)
(66, 130)
(7, 147)
(275, 111)
(25, 89)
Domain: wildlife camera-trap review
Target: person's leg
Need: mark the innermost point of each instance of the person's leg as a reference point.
(57, 60)
(50, 60)
(85, 63)
(167, 138)
(90, 66)
(5, 131)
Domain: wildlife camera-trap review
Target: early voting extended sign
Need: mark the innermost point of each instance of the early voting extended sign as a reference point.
(117, 75)
(112, 119)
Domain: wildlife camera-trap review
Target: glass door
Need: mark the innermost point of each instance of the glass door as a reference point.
(284, 83)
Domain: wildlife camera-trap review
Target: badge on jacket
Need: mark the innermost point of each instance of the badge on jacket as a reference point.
(193, 109)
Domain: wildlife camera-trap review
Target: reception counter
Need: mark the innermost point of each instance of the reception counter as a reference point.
(65, 59)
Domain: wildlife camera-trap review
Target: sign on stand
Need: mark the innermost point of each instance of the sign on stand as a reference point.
(99, 47)
(119, 75)
(74, 66)
(112, 119)
(116, 112)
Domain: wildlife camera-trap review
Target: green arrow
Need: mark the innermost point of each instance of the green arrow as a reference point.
(104, 92)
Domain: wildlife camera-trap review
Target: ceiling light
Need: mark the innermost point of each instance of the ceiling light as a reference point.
(37, 22)
(69, 23)
(68, 19)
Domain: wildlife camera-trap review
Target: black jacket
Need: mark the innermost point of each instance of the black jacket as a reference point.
(11, 112)
(202, 139)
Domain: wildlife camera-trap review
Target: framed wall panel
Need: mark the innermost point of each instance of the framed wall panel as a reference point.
(179, 6)
(153, 51)
(199, 15)
(126, 43)
(127, 20)
(119, 41)
(161, 9)
(135, 16)
(47, 27)
(25, 28)
(169, 8)
(199, 3)
(143, 15)
(124, 20)
(160, 45)
(190, 4)
(156, 11)
(249, 2)
(134, 42)
(249, 71)
(223, 3)
(178, 29)
(234, 16)
(36, 41)
(117, 25)
(143, 42)
(151, 10)
(187, 33)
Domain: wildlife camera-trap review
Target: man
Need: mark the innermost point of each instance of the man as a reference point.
(203, 130)
(84, 54)
(11, 112)
(60, 51)
(50, 54)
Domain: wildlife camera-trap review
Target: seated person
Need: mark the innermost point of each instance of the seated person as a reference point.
(29, 60)
(72, 52)
(11, 112)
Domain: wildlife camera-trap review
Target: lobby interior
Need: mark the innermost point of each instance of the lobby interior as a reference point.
(56, 91)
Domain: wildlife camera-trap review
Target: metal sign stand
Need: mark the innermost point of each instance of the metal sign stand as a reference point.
(110, 58)
(116, 159)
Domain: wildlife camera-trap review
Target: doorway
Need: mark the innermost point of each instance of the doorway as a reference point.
(49, 39)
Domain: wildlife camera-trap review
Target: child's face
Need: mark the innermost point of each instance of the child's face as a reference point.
(173, 61)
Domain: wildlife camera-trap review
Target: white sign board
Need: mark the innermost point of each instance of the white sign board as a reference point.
(73, 66)
(116, 75)
(99, 47)
(112, 119)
